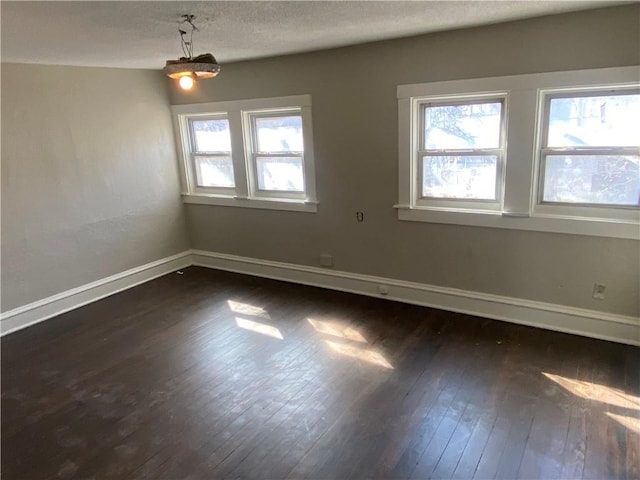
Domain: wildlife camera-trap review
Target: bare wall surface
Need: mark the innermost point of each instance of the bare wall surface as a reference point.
(89, 177)
(356, 144)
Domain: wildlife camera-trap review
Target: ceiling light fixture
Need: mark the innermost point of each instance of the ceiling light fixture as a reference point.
(188, 69)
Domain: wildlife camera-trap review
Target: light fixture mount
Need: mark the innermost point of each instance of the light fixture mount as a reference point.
(198, 67)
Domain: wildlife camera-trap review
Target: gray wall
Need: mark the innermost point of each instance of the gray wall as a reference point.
(89, 177)
(355, 135)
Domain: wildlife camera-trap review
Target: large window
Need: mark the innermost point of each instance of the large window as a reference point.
(252, 153)
(277, 153)
(461, 150)
(590, 145)
(210, 152)
(555, 152)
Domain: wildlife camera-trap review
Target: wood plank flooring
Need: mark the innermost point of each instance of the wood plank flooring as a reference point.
(210, 374)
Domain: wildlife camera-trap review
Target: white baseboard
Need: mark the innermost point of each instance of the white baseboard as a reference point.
(46, 308)
(589, 323)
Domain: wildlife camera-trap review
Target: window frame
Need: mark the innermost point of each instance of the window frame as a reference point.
(253, 153)
(520, 209)
(421, 104)
(543, 151)
(191, 166)
(244, 194)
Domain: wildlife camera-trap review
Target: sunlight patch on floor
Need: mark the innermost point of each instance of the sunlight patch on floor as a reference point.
(597, 392)
(632, 423)
(337, 330)
(370, 356)
(247, 309)
(258, 327)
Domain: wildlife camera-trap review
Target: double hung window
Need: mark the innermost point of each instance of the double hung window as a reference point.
(590, 148)
(210, 153)
(557, 152)
(461, 153)
(249, 153)
(277, 153)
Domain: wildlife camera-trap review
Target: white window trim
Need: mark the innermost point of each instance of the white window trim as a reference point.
(418, 105)
(519, 209)
(242, 195)
(251, 146)
(591, 211)
(189, 163)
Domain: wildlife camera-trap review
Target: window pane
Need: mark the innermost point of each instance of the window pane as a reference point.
(460, 177)
(599, 179)
(280, 134)
(462, 126)
(211, 135)
(214, 172)
(280, 173)
(607, 121)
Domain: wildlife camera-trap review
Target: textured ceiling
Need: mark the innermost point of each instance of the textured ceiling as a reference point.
(144, 34)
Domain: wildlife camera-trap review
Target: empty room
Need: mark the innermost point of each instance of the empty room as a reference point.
(320, 239)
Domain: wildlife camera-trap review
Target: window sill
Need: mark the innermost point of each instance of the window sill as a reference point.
(595, 227)
(261, 203)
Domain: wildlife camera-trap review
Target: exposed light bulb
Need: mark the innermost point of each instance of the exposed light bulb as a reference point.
(186, 82)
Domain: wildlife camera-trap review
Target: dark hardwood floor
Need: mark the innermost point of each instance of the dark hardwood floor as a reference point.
(211, 374)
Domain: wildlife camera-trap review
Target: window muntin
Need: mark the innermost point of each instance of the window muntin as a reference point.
(461, 151)
(277, 153)
(210, 151)
(590, 149)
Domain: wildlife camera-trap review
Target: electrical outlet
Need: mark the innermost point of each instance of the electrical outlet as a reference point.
(598, 291)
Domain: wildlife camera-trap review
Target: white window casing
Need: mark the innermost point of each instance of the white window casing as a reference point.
(448, 202)
(240, 115)
(544, 150)
(519, 207)
(191, 165)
